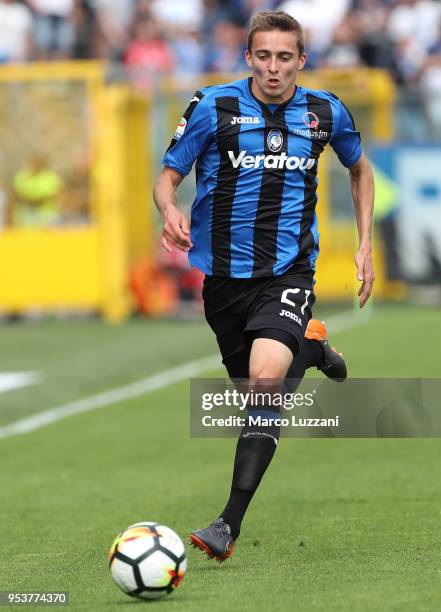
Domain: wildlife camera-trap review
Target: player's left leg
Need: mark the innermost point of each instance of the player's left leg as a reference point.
(316, 352)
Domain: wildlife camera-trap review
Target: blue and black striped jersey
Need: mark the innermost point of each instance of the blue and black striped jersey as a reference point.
(256, 176)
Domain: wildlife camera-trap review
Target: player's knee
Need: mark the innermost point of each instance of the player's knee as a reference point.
(266, 377)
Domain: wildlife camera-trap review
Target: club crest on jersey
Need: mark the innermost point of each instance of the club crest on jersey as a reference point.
(181, 128)
(275, 141)
(311, 120)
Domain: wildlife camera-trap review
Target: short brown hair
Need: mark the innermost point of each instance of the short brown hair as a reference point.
(267, 21)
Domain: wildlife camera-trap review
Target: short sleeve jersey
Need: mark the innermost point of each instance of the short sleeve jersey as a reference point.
(256, 176)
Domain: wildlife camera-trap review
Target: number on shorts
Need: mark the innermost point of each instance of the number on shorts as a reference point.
(286, 300)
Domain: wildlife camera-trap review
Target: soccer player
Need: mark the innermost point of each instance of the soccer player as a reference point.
(256, 144)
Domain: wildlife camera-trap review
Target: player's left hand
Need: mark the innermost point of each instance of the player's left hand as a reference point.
(365, 273)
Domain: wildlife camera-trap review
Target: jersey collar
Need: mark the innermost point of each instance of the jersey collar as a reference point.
(264, 106)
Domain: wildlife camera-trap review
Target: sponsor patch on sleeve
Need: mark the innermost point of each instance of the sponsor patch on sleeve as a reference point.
(180, 128)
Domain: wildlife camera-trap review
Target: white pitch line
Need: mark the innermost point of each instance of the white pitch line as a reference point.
(9, 381)
(347, 320)
(344, 321)
(112, 396)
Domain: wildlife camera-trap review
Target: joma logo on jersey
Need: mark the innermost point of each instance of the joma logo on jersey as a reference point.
(236, 120)
(270, 161)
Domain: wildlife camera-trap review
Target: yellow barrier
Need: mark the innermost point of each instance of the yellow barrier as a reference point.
(87, 266)
(49, 269)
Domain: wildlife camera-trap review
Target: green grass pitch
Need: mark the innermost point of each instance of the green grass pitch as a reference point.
(338, 524)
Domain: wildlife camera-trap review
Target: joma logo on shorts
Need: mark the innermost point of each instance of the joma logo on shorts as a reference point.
(270, 161)
(236, 120)
(290, 315)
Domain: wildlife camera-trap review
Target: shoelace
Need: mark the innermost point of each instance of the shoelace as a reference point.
(219, 528)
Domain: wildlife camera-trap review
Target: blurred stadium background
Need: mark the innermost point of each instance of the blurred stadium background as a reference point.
(90, 95)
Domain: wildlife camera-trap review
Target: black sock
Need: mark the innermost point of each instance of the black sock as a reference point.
(311, 354)
(235, 509)
(254, 451)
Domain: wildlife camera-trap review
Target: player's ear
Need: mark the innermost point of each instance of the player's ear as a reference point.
(248, 58)
(302, 60)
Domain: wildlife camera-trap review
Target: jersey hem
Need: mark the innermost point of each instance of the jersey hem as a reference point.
(354, 162)
(177, 168)
(249, 275)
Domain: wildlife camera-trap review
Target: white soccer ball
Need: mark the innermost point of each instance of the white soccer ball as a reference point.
(147, 560)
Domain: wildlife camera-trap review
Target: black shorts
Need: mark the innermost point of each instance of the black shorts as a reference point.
(239, 310)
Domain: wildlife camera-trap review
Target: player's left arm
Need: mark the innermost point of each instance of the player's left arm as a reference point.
(346, 142)
(363, 191)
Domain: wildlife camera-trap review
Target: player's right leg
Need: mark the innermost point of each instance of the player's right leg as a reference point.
(226, 303)
(216, 540)
(256, 445)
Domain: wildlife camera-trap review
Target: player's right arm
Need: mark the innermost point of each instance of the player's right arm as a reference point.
(190, 140)
(176, 230)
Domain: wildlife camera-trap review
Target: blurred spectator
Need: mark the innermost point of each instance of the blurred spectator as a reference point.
(343, 51)
(187, 14)
(188, 51)
(431, 88)
(409, 57)
(375, 46)
(15, 31)
(214, 11)
(227, 51)
(242, 10)
(316, 55)
(114, 18)
(53, 28)
(435, 49)
(415, 19)
(367, 5)
(319, 17)
(38, 190)
(431, 85)
(87, 32)
(148, 54)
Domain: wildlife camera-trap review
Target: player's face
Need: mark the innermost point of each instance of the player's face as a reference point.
(274, 60)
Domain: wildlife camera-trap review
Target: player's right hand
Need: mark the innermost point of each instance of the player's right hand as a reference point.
(176, 230)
